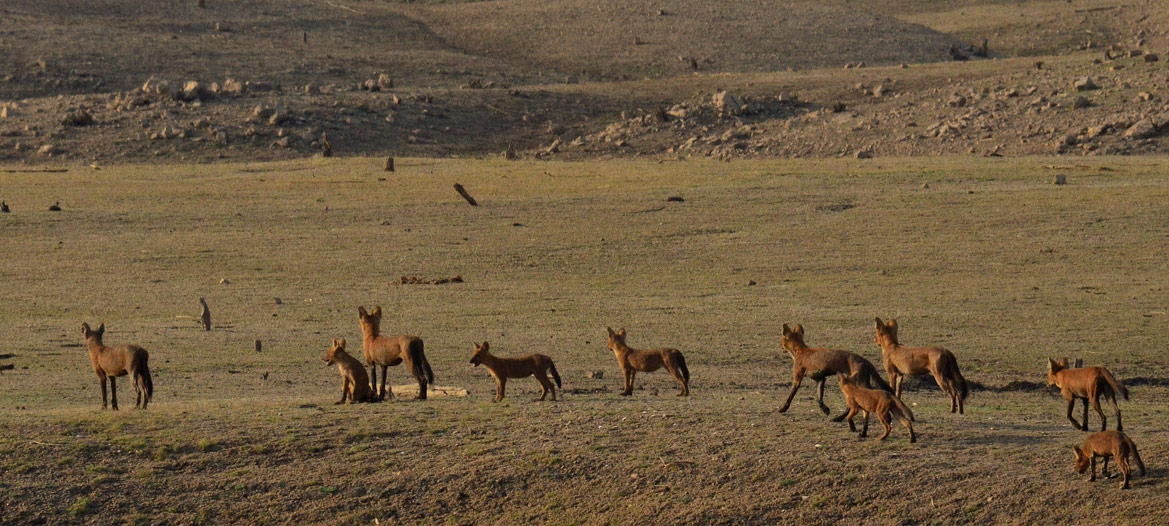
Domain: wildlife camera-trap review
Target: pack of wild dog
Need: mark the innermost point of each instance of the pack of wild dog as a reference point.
(865, 392)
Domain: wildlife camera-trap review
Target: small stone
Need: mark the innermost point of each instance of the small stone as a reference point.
(596, 375)
(1152, 57)
(384, 82)
(1081, 102)
(1060, 179)
(1084, 84)
(224, 281)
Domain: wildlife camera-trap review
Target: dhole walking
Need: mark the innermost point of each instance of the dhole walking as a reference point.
(388, 351)
(354, 382)
(1087, 384)
(901, 361)
(819, 364)
(873, 402)
(1108, 444)
(648, 361)
(537, 365)
(111, 362)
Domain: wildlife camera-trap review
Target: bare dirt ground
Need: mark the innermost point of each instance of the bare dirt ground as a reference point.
(984, 256)
(578, 79)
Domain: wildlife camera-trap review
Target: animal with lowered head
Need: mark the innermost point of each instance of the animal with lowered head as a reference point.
(1108, 444)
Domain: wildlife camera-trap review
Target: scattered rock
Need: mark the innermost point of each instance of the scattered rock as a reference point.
(1081, 102)
(1084, 84)
(232, 88)
(191, 91)
(595, 375)
(728, 103)
(283, 142)
(77, 118)
(1060, 179)
(384, 82)
(864, 153)
(1143, 129)
(49, 149)
(675, 199)
(1152, 57)
(225, 281)
(956, 101)
(410, 280)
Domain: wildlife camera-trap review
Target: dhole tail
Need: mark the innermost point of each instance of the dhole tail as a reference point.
(1117, 387)
(682, 366)
(142, 374)
(421, 365)
(875, 377)
(903, 409)
(556, 375)
(1136, 456)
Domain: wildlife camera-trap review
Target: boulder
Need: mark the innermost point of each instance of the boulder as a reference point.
(728, 104)
(1084, 84)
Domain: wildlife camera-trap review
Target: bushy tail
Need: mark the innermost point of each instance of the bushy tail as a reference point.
(142, 374)
(682, 366)
(1117, 387)
(903, 409)
(956, 377)
(555, 375)
(874, 376)
(418, 361)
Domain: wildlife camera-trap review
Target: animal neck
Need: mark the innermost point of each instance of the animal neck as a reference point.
(889, 344)
(488, 360)
(620, 348)
(369, 332)
(94, 344)
(796, 348)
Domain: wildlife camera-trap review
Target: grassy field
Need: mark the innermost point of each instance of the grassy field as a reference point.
(983, 256)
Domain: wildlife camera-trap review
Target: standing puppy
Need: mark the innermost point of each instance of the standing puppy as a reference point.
(634, 360)
(1108, 444)
(873, 402)
(537, 365)
(111, 362)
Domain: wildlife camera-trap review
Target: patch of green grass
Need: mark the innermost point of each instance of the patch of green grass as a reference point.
(80, 507)
(207, 445)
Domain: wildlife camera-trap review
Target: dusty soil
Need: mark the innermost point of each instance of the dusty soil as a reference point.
(984, 256)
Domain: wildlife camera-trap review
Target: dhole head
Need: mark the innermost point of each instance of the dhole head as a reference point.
(886, 331)
(370, 319)
(91, 333)
(1055, 366)
(791, 335)
(331, 356)
(1083, 460)
(847, 379)
(615, 338)
(479, 353)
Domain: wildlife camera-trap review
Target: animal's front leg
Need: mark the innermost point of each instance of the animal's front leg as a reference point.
(795, 387)
(1071, 406)
(865, 427)
(1104, 469)
(113, 394)
(344, 391)
(1093, 477)
(820, 397)
(386, 393)
(629, 374)
(373, 379)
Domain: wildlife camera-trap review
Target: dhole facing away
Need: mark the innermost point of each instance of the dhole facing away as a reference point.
(1087, 384)
(883, 404)
(819, 364)
(901, 361)
(648, 361)
(388, 351)
(537, 365)
(111, 362)
(1108, 444)
(354, 382)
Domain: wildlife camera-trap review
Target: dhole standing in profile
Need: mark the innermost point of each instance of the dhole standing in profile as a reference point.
(821, 363)
(873, 402)
(648, 361)
(111, 362)
(354, 382)
(1108, 444)
(1087, 384)
(901, 361)
(537, 365)
(388, 351)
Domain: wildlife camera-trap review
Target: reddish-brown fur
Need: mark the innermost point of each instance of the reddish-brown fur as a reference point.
(819, 364)
(873, 402)
(1087, 384)
(648, 361)
(1108, 444)
(354, 382)
(901, 361)
(111, 362)
(537, 365)
(388, 351)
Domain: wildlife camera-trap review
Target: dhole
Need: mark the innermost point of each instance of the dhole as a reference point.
(633, 360)
(872, 401)
(111, 362)
(388, 351)
(822, 363)
(901, 361)
(354, 382)
(1114, 444)
(536, 365)
(1087, 384)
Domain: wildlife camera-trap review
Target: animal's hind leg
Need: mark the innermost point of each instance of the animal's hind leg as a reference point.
(908, 425)
(677, 374)
(948, 389)
(113, 393)
(1119, 426)
(884, 419)
(138, 391)
(386, 393)
(101, 380)
(1084, 427)
(865, 427)
(545, 385)
(820, 397)
(373, 379)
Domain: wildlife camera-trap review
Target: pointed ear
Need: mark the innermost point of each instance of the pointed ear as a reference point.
(85, 329)
(341, 343)
(880, 323)
(611, 333)
(1051, 364)
(101, 329)
(1079, 452)
(621, 332)
(798, 329)
(377, 311)
(485, 345)
(361, 311)
(786, 330)
(892, 324)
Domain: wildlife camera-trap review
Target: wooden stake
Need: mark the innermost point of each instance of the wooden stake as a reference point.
(258, 346)
(205, 316)
(463, 192)
(389, 164)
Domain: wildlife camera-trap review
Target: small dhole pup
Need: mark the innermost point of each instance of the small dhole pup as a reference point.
(1108, 444)
(648, 361)
(354, 382)
(873, 402)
